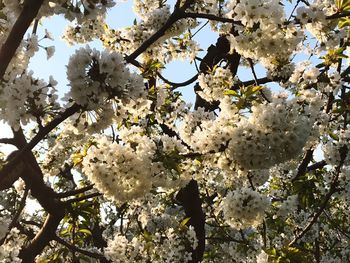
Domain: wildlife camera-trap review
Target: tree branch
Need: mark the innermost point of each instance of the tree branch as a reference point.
(7, 141)
(8, 49)
(302, 169)
(180, 84)
(79, 250)
(190, 199)
(75, 191)
(81, 198)
(338, 15)
(333, 189)
(15, 218)
(43, 237)
(161, 32)
(212, 17)
(317, 165)
(37, 138)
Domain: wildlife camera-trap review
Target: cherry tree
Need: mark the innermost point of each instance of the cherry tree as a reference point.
(126, 169)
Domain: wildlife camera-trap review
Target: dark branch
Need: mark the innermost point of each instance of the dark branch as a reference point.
(333, 189)
(190, 199)
(302, 169)
(7, 141)
(212, 17)
(43, 237)
(81, 198)
(74, 192)
(180, 84)
(8, 49)
(338, 15)
(37, 138)
(79, 250)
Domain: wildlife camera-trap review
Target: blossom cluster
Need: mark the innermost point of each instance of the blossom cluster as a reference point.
(165, 238)
(263, 35)
(273, 133)
(27, 99)
(97, 77)
(129, 39)
(121, 172)
(160, 247)
(10, 249)
(244, 208)
(313, 17)
(335, 150)
(214, 84)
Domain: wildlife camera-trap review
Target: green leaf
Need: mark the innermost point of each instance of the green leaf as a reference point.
(85, 231)
(343, 22)
(252, 90)
(185, 221)
(343, 5)
(231, 93)
(333, 136)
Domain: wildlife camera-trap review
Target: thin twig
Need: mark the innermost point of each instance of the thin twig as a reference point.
(77, 249)
(74, 192)
(333, 189)
(212, 17)
(81, 198)
(179, 84)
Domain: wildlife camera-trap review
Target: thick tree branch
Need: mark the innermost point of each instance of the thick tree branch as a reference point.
(302, 169)
(43, 237)
(7, 141)
(8, 49)
(45, 195)
(190, 199)
(27, 147)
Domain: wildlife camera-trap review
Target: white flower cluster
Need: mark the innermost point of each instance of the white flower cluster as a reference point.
(274, 133)
(290, 205)
(263, 37)
(10, 249)
(121, 172)
(130, 38)
(208, 6)
(334, 149)
(98, 77)
(163, 247)
(215, 83)
(314, 18)
(84, 32)
(26, 99)
(244, 208)
(3, 227)
(169, 106)
(61, 149)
